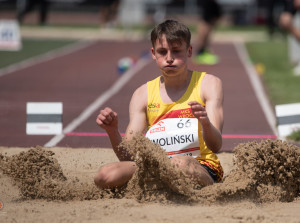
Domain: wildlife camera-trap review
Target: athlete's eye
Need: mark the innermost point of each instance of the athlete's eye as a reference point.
(162, 52)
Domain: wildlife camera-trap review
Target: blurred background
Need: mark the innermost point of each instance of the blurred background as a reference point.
(131, 12)
(47, 25)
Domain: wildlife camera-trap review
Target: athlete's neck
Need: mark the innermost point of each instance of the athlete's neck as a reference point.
(172, 89)
(177, 82)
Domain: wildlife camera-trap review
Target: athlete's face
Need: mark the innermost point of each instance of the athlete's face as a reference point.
(171, 58)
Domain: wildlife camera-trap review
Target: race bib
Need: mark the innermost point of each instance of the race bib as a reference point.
(178, 136)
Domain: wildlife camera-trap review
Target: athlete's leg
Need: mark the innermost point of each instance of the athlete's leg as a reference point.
(44, 6)
(193, 168)
(204, 30)
(211, 12)
(115, 174)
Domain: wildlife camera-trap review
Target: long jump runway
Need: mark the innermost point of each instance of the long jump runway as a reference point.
(87, 80)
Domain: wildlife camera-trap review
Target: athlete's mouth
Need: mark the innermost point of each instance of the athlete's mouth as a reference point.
(170, 66)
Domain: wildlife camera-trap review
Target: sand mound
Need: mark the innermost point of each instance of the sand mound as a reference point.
(156, 178)
(39, 176)
(273, 168)
(263, 172)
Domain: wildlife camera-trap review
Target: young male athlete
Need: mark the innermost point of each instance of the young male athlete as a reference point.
(182, 109)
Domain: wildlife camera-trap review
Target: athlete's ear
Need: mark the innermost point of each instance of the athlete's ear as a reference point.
(153, 53)
(190, 51)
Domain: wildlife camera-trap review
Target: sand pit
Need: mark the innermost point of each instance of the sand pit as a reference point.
(261, 184)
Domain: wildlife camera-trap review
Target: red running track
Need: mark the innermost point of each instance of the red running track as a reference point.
(78, 78)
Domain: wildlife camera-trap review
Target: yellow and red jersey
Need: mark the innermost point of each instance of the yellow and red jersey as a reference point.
(175, 128)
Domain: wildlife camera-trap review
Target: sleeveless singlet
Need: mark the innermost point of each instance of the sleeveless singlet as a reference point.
(174, 127)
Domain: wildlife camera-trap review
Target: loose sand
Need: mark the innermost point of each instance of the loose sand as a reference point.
(261, 184)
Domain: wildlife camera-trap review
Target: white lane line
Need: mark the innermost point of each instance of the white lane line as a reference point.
(141, 63)
(257, 86)
(45, 57)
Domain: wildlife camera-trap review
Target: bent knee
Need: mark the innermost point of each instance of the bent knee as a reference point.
(107, 176)
(181, 161)
(103, 177)
(114, 175)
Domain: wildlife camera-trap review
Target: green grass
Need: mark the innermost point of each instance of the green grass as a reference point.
(281, 85)
(31, 48)
(62, 26)
(140, 28)
(295, 136)
(240, 28)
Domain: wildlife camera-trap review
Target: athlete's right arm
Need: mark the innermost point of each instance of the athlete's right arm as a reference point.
(137, 112)
(108, 120)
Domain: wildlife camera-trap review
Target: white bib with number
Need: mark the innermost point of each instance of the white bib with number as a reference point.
(178, 136)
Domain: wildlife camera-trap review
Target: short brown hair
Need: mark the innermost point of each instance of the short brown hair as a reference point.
(174, 31)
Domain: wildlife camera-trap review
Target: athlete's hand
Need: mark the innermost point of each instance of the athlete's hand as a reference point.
(107, 119)
(199, 111)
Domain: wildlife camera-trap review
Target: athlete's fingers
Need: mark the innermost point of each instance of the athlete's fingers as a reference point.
(106, 116)
(113, 115)
(107, 112)
(99, 121)
(193, 103)
(196, 106)
(200, 114)
(110, 113)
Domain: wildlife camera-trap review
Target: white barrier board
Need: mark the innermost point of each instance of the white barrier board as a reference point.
(288, 118)
(44, 118)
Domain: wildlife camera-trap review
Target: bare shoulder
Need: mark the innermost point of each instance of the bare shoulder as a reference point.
(141, 91)
(142, 88)
(211, 87)
(211, 79)
(140, 96)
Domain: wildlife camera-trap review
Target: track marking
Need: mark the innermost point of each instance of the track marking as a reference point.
(257, 85)
(142, 62)
(224, 136)
(248, 136)
(45, 57)
(101, 134)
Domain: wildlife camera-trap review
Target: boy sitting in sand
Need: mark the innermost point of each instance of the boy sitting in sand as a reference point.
(182, 109)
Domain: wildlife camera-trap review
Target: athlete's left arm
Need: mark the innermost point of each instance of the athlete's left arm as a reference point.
(210, 116)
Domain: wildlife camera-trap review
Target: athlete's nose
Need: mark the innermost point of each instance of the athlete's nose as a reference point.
(170, 58)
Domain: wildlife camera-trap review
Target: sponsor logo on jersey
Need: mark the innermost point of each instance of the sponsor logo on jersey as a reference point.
(154, 105)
